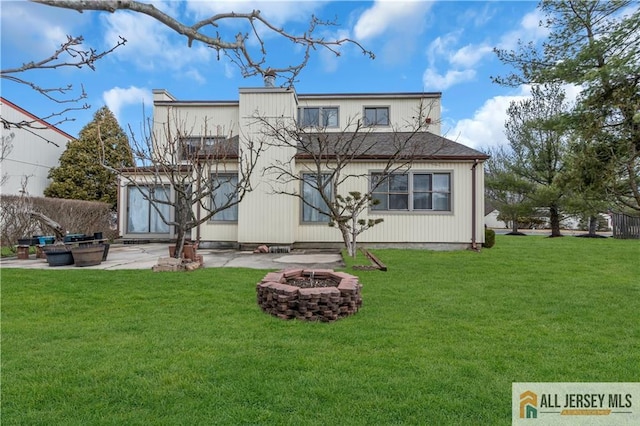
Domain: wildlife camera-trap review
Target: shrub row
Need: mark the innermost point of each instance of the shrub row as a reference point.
(75, 216)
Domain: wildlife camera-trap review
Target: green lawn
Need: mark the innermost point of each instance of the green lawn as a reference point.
(439, 340)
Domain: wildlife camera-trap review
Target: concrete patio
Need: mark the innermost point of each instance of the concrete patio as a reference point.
(145, 256)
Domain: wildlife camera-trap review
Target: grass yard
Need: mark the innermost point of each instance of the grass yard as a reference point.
(439, 340)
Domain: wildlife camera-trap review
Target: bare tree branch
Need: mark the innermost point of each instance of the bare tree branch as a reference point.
(196, 166)
(235, 47)
(326, 156)
(69, 54)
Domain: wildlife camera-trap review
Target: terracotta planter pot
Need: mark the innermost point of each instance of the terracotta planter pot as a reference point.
(188, 251)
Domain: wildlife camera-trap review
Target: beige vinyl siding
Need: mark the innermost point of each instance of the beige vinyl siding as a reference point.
(197, 120)
(400, 111)
(219, 232)
(433, 226)
(262, 216)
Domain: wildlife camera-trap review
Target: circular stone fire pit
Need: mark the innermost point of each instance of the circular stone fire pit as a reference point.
(309, 294)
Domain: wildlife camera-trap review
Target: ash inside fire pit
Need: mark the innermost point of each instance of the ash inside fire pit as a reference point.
(311, 295)
(312, 282)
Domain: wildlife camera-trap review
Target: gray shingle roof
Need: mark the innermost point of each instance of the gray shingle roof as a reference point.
(385, 145)
(368, 146)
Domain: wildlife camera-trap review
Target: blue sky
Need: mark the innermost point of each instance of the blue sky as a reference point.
(443, 46)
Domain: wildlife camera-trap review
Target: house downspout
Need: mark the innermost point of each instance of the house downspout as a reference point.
(474, 244)
(198, 213)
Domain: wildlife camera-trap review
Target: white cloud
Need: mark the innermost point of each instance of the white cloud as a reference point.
(461, 62)
(486, 127)
(118, 98)
(194, 76)
(442, 46)
(529, 30)
(36, 28)
(277, 12)
(391, 16)
(469, 55)
(431, 80)
(151, 45)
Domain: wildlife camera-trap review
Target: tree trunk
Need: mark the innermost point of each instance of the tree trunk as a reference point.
(180, 237)
(346, 239)
(554, 219)
(514, 224)
(354, 236)
(593, 225)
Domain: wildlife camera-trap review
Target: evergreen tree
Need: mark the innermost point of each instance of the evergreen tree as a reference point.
(81, 174)
(505, 190)
(540, 145)
(594, 45)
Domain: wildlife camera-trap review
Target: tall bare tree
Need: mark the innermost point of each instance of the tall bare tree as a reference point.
(190, 175)
(323, 165)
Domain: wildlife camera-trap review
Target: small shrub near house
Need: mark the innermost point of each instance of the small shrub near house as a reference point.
(489, 238)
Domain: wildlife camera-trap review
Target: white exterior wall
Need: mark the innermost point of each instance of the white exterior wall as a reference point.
(34, 152)
(491, 220)
(262, 216)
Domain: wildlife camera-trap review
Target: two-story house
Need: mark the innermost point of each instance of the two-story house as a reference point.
(436, 203)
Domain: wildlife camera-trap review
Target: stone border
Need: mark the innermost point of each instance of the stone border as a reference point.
(326, 304)
(171, 264)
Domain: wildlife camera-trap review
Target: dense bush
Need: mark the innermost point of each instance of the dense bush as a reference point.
(489, 238)
(75, 216)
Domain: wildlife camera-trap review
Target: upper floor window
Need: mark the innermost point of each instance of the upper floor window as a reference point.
(318, 117)
(414, 191)
(376, 116)
(314, 207)
(194, 145)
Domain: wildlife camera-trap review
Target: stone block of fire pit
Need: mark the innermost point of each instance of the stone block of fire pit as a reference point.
(309, 294)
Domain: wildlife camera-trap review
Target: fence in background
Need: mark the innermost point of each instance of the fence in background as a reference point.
(625, 226)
